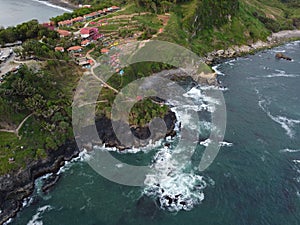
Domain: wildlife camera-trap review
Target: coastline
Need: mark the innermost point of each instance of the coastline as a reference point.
(234, 51)
(62, 3)
(19, 185)
(69, 150)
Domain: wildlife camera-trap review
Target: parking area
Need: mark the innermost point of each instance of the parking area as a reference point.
(6, 61)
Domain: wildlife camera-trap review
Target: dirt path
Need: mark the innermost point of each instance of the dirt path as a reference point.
(96, 64)
(16, 131)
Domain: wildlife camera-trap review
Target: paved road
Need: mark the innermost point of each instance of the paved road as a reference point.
(8, 65)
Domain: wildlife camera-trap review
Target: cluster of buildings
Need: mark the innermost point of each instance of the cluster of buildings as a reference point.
(86, 34)
(89, 16)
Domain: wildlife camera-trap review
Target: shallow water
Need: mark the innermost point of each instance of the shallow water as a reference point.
(253, 180)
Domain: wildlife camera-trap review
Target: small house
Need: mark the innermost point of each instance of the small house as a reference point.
(85, 43)
(104, 50)
(75, 49)
(59, 49)
(63, 33)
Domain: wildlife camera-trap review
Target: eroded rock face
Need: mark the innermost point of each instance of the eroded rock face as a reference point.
(282, 56)
(17, 185)
(206, 78)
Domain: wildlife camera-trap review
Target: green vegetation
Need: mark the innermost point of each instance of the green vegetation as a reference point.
(25, 31)
(47, 95)
(207, 25)
(131, 73)
(144, 111)
(97, 5)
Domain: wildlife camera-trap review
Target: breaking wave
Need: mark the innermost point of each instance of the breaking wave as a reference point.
(37, 218)
(53, 6)
(173, 182)
(286, 123)
(290, 150)
(281, 73)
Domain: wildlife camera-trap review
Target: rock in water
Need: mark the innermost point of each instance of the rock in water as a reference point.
(282, 56)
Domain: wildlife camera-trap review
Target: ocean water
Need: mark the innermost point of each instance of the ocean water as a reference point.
(13, 12)
(255, 178)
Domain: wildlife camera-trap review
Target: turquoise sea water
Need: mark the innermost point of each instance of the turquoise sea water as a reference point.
(253, 180)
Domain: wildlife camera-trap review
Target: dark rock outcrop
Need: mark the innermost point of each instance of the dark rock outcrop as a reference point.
(282, 56)
(107, 135)
(18, 185)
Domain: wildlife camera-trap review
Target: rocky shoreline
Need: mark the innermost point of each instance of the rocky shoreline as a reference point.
(17, 186)
(273, 40)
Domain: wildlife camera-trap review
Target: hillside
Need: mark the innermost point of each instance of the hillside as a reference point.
(207, 25)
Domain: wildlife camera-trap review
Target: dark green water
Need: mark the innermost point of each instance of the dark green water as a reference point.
(254, 181)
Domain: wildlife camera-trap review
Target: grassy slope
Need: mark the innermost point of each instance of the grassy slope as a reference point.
(255, 20)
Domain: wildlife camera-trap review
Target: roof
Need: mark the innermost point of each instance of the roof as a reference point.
(65, 22)
(59, 49)
(85, 30)
(115, 7)
(85, 42)
(104, 50)
(80, 18)
(64, 32)
(74, 48)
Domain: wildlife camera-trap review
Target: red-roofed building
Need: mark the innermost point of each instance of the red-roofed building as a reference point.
(50, 25)
(64, 33)
(78, 19)
(65, 23)
(114, 8)
(91, 62)
(75, 49)
(104, 50)
(88, 32)
(85, 43)
(59, 49)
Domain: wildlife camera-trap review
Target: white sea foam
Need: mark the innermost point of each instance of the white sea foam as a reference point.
(204, 88)
(173, 188)
(281, 73)
(226, 144)
(286, 123)
(26, 202)
(53, 6)
(230, 62)
(216, 69)
(172, 181)
(8, 221)
(83, 156)
(221, 144)
(36, 219)
(132, 150)
(290, 150)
